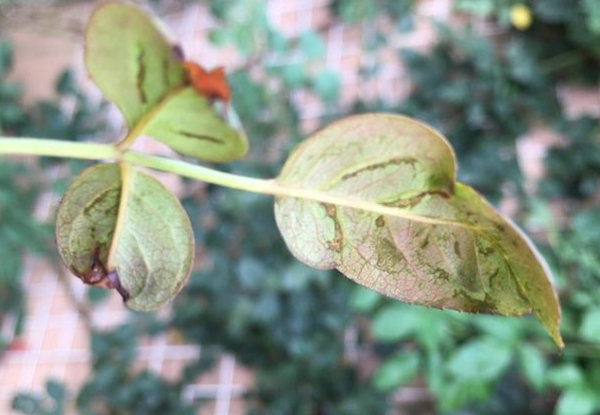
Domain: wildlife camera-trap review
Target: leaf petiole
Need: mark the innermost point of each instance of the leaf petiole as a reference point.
(57, 148)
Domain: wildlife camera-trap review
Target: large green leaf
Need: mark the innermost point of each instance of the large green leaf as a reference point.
(116, 218)
(380, 204)
(136, 67)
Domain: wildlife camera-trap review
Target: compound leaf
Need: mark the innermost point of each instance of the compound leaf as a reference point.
(381, 205)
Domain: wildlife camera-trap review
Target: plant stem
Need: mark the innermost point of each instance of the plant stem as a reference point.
(57, 148)
(271, 187)
(90, 151)
(204, 174)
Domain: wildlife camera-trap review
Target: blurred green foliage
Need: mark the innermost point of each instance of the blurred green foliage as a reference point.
(311, 336)
(483, 101)
(18, 195)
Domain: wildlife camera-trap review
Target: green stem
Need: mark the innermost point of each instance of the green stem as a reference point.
(90, 151)
(271, 187)
(201, 173)
(57, 148)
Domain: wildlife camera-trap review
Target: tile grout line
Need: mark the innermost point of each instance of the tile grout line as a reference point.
(224, 391)
(156, 358)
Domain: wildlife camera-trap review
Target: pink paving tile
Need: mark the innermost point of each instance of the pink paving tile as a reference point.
(76, 374)
(5, 404)
(349, 65)
(207, 408)
(433, 8)
(54, 338)
(309, 125)
(579, 101)
(237, 407)
(81, 339)
(243, 376)
(10, 375)
(38, 304)
(61, 301)
(172, 369)
(33, 334)
(531, 150)
(349, 93)
(320, 17)
(208, 378)
(44, 371)
(38, 271)
(352, 36)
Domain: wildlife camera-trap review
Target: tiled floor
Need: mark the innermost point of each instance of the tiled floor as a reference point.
(55, 339)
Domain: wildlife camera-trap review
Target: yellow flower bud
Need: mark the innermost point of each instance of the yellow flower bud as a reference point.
(520, 16)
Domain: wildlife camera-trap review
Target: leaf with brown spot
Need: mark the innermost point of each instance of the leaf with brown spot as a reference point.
(133, 63)
(408, 230)
(129, 57)
(116, 218)
(187, 123)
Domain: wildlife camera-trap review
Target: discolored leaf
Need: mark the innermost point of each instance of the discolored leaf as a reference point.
(134, 64)
(118, 227)
(130, 59)
(187, 123)
(381, 205)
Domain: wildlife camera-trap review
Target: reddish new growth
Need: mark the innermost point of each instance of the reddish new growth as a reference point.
(212, 84)
(99, 277)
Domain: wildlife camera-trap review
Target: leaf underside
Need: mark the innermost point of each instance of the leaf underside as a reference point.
(133, 63)
(130, 59)
(153, 236)
(438, 244)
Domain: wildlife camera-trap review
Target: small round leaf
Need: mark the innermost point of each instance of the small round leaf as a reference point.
(118, 227)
